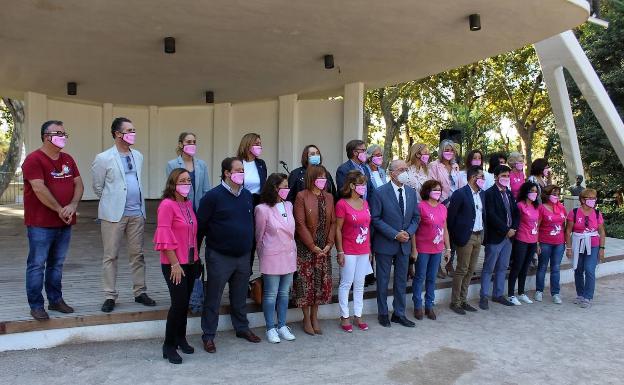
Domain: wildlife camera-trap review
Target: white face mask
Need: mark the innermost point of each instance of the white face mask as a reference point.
(403, 177)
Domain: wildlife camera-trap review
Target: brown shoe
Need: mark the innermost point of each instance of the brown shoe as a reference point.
(39, 314)
(249, 336)
(430, 314)
(62, 307)
(418, 314)
(209, 346)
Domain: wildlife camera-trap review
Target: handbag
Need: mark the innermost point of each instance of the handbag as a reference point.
(255, 288)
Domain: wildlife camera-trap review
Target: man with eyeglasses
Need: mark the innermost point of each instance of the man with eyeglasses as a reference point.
(356, 154)
(52, 189)
(117, 182)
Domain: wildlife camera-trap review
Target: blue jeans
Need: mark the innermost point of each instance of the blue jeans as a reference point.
(552, 254)
(496, 262)
(46, 254)
(585, 274)
(276, 289)
(426, 267)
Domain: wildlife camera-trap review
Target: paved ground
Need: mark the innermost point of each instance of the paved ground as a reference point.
(532, 344)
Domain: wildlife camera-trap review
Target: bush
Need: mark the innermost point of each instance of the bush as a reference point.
(614, 221)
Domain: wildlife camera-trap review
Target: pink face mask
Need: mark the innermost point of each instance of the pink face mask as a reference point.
(360, 189)
(189, 149)
(532, 196)
(424, 158)
(183, 189)
(377, 160)
(256, 150)
(448, 155)
(590, 203)
(481, 183)
(58, 141)
(238, 177)
(362, 157)
(320, 183)
(553, 199)
(129, 137)
(475, 162)
(504, 181)
(283, 193)
(519, 166)
(435, 195)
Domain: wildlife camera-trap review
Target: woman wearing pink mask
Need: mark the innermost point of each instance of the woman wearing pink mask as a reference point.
(516, 162)
(197, 168)
(540, 175)
(374, 157)
(277, 253)
(474, 158)
(417, 163)
(315, 233)
(432, 241)
(551, 242)
(445, 169)
(585, 245)
(176, 239)
(525, 242)
(353, 244)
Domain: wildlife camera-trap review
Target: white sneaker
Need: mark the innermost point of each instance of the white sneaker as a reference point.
(578, 300)
(586, 304)
(539, 296)
(514, 300)
(272, 336)
(524, 298)
(285, 333)
(557, 299)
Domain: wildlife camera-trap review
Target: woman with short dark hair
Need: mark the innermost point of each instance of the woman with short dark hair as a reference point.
(311, 156)
(540, 175)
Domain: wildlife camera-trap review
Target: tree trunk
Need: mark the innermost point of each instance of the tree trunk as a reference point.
(8, 167)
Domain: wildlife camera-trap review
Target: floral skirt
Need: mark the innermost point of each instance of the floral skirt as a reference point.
(313, 282)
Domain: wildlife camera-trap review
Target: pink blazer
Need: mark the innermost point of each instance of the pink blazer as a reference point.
(176, 229)
(275, 239)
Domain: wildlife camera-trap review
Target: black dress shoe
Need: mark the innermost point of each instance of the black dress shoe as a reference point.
(402, 321)
(184, 346)
(145, 300)
(170, 353)
(108, 305)
(467, 307)
(483, 303)
(384, 321)
(457, 309)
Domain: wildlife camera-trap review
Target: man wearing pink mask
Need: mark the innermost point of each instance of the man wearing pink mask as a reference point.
(501, 224)
(116, 175)
(356, 154)
(225, 218)
(52, 189)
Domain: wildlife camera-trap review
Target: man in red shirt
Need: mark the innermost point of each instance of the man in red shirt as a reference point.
(52, 190)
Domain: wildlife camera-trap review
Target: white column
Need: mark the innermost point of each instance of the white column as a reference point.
(155, 177)
(107, 121)
(287, 137)
(353, 105)
(222, 139)
(36, 113)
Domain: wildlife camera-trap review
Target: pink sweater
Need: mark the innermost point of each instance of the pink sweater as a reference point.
(176, 229)
(275, 239)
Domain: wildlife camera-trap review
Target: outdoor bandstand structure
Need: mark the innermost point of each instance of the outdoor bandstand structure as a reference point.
(259, 66)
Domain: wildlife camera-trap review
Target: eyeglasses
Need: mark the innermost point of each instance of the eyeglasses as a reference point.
(58, 133)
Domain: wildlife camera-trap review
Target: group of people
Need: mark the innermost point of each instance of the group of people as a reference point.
(414, 217)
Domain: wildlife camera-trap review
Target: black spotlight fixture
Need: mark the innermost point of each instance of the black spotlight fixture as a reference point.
(475, 22)
(210, 97)
(169, 44)
(72, 88)
(329, 61)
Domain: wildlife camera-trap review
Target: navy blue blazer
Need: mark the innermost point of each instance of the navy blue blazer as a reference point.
(262, 171)
(496, 215)
(388, 221)
(461, 215)
(341, 175)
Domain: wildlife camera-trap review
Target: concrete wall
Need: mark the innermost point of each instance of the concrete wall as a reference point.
(285, 125)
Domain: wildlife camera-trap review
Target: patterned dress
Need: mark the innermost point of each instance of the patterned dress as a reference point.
(313, 281)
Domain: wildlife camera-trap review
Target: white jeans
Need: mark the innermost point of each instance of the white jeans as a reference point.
(353, 272)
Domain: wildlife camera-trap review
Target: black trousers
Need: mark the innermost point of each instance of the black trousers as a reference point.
(521, 254)
(180, 294)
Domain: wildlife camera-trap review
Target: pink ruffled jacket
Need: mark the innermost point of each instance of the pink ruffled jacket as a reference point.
(175, 230)
(275, 239)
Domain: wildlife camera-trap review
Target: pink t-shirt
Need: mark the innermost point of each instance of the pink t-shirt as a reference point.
(592, 224)
(527, 230)
(430, 233)
(517, 179)
(355, 228)
(552, 224)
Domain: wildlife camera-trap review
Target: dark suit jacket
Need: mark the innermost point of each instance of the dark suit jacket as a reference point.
(262, 171)
(461, 215)
(387, 220)
(341, 175)
(496, 215)
(296, 183)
